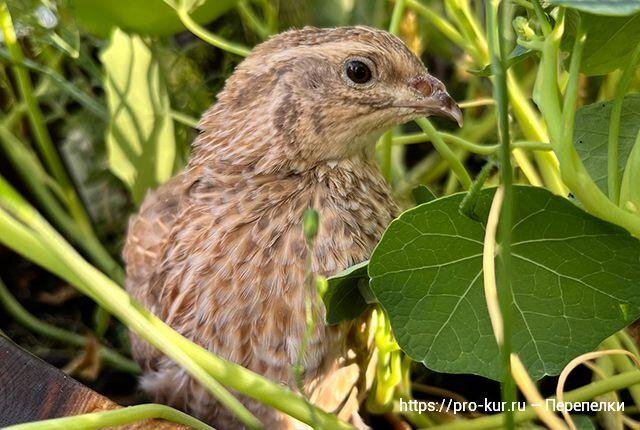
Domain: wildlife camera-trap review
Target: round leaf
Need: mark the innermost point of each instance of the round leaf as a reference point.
(575, 280)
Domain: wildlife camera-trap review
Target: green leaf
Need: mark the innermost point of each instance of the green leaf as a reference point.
(583, 422)
(591, 134)
(601, 7)
(140, 138)
(422, 194)
(610, 40)
(343, 299)
(100, 17)
(571, 274)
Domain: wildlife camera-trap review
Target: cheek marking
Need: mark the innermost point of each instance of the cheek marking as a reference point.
(285, 117)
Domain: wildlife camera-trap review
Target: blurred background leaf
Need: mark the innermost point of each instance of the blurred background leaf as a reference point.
(140, 138)
(147, 17)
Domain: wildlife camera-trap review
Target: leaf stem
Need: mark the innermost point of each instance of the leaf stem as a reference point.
(252, 21)
(622, 363)
(396, 17)
(476, 148)
(115, 418)
(498, 54)
(183, 118)
(207, 36)
(560, 125)
(445, 152)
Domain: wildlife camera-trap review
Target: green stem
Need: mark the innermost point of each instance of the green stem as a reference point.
(498, 55)
(630, 190)
(22, 316)
(36, 119)
(533, 129)
(436, 19)
(582, 394)
(628, 342)
(183, 118)
(396, 17)
(250, 18)
(33, 238)
(468, 204)
(385, 148)
(622, 363)
(613, 180)
(573, 172)
(39, 183)
(542, 18)
(445, 152)
(207, 36)
(74, 92)
(527, 117)
(476, 148)
(115, 418)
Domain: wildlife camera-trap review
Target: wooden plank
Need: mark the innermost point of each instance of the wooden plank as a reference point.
(32, 390)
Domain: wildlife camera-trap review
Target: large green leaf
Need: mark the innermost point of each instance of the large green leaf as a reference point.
(591, 132)
(601, 7)
(140, 138)
(609, 43)
(149, 17)
(575, 279)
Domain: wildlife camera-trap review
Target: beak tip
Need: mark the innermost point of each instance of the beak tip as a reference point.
(452, 110)
(458, 116)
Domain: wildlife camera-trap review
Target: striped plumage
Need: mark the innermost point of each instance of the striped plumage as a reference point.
(218, 251)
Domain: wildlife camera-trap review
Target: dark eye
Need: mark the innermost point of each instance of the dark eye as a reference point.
(358, 72)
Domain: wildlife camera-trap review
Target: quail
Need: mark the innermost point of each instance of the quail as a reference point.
(218, 251)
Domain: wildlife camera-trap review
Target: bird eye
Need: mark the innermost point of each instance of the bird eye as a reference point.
(358, 72)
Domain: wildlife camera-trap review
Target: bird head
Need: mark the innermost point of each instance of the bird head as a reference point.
(314, 95)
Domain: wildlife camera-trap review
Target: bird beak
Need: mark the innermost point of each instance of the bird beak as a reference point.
(433, 99)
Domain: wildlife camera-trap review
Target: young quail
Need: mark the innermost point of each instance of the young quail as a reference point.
(218, 252)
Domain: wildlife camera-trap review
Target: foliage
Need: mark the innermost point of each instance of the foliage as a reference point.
(140, 139)
(574, 281)
(98, 104)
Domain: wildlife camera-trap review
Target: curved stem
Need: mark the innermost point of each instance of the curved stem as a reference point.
(476, 148)
(247, 14)
(446, 153)
(209, 37)
(115, 418)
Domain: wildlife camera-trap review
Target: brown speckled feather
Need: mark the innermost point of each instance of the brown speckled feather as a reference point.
(218, 251)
